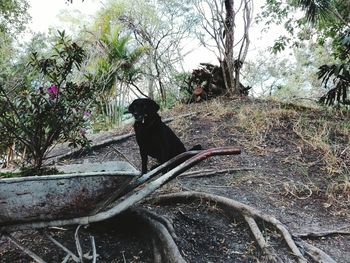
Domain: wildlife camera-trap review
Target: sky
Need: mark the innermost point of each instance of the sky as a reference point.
(45, 14)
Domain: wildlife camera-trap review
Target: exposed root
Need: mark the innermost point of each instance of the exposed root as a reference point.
(161, 219)
(315, 253)
(165, 249)
(313, 234)
(249, 213)
(157, 256)
(267, 250)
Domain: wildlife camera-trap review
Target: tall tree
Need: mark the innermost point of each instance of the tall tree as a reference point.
(161, 26)
(220, 33)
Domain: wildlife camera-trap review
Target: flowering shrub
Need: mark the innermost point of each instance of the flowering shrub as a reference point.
(52, 107)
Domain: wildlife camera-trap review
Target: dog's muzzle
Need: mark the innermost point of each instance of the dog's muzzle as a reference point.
(140, 118)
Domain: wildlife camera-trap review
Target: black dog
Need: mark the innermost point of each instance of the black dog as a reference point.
(154, 138)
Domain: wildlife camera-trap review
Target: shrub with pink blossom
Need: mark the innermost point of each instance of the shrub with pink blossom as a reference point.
(55, 110)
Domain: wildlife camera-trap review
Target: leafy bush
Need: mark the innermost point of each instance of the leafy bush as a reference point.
(52, 107)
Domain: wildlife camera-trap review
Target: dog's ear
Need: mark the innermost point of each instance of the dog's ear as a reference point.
(131, 107)
(153, 106)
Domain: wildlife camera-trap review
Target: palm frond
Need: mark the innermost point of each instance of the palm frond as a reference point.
(315, 9)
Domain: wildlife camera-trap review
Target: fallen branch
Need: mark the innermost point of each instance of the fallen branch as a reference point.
(247, 211)
(73, 152)
(70, 253)
(213, 172)
(124, 156)
(94, 253)
(114, 139)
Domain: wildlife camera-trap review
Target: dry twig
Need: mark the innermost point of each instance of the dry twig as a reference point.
(94, 254)
(69, 253)
(77, 244)
(25, 250)
(213, 172)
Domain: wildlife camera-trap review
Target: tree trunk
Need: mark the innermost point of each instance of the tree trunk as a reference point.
(228, 63)
(150, 77)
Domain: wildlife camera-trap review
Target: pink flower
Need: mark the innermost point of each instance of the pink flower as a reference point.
(53, 90)
(87, 114)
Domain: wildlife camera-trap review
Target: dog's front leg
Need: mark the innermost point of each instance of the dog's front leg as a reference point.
(144, 160)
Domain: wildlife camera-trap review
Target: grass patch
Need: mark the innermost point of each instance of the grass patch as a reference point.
(29, 171)
(327, 137)
(10, 174)
(257, 122)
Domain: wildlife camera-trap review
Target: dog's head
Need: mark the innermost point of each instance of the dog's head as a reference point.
(142, 109)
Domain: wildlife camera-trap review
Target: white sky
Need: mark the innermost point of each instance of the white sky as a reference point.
(45, 14)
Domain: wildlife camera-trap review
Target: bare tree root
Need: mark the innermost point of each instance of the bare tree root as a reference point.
(165, 248)
(248, 212)
(315, 253)
(161, 219)
(156, 252)
(267, 250)
(312, 234)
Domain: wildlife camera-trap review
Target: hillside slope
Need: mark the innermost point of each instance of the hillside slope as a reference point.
(295, 166)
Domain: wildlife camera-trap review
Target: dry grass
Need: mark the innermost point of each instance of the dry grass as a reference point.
(299, 190)
(257, 122)
(306, 136)
(338, 193)
(321, 134)
(316, 134)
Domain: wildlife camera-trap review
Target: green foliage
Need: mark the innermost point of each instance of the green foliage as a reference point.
(13, 18)
(14, 15)
(115, 67)
(50, 107)
(325, 20)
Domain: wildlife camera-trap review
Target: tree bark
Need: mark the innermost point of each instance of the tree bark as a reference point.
(228, 63)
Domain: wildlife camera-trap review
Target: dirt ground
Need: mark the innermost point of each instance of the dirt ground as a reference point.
(278, 172)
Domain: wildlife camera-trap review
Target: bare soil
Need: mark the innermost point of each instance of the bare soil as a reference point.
(278, 173)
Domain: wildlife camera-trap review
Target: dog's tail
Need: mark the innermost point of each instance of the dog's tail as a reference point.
(197, 147)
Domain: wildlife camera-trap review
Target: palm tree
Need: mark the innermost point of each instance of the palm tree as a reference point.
(116, 70)
(332, 18)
